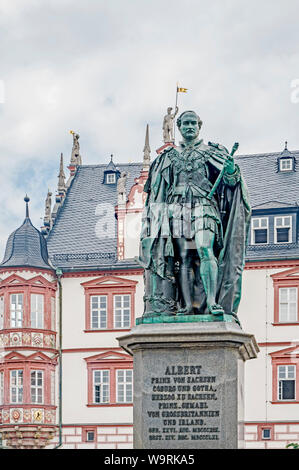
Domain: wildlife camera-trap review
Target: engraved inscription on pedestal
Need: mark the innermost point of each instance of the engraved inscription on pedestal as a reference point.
(184, 405)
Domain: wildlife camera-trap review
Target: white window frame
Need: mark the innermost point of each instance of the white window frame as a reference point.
(119, 312)
(286, 160)
(1, 388)
(288, 302)
(279, 379)
(111, 178)
(37, 388)
(53, 313)
(124, 387)
(1, 312)
(53, 385)
(16, 315)
(87, 434)
(17, 374)
(283, 226)
(98, 381)
(263, 436)
(259, 228)
(37, 310)
(98, 313)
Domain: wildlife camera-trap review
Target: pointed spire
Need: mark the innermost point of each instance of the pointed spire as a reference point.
(61, 177)
(27, 199)
(286, 145)
(146, 150)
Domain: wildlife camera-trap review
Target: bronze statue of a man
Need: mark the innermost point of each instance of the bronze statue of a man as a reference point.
(195, 228)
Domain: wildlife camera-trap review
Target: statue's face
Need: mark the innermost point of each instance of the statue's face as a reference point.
(189, 126)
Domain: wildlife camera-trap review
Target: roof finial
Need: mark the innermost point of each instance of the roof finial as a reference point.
(61, 177)
(27, 199)
(111, 157)
(286, 145)
(146, 150)
(76, 157)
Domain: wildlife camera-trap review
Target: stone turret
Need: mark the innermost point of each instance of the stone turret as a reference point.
(26, 246)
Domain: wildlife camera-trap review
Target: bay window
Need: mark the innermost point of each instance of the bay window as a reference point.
(37, 311)
(16, 310)
(16, 386)
(37, 386)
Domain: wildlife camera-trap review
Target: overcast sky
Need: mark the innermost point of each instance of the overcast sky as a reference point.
(106, 68)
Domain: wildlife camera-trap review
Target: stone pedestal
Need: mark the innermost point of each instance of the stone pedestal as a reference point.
(189, 384)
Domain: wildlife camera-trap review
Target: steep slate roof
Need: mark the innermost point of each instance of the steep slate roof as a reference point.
(85, 231)
(265, 184)
(75, 241)
(26, 247)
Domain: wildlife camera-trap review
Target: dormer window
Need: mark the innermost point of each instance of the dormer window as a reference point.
(111, 173)
(259, 231)
(110, 178)
(286, 161)
(286, 164)
(283, 229)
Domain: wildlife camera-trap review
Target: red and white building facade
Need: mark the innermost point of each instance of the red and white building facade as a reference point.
(64, 380)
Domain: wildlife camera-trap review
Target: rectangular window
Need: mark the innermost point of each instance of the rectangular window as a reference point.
(90, 436)
(122, 311)
(286, 164)
(111, 178)
(124, 384)
(98, 312)
(37, 311)
(1, 388)
(259, 231)
(16, 386)
(288, 305)
(52, 387)
(16, 310)
(1, 312)
(37, 386)
(53, 313)
(283, 229)
(266, 434)
(286, 382)
(101, 388)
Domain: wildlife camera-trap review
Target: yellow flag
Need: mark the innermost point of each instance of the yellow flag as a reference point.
(182, 90)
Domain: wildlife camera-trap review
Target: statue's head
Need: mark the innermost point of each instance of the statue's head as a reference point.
(169, 110)
(189, 124)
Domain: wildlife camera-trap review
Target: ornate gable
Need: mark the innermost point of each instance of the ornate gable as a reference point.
(37, 281)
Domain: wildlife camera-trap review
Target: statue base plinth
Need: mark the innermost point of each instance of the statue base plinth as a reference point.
(186, 318)
(188, 384)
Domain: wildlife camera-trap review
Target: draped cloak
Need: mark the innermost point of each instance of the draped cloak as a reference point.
(156, 244)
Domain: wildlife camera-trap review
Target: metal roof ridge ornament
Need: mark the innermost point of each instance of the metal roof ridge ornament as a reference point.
(27, 199)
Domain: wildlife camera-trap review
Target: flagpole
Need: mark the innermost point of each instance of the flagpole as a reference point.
(176, 103)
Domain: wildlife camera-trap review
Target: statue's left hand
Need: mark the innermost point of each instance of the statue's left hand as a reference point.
(229, 165)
